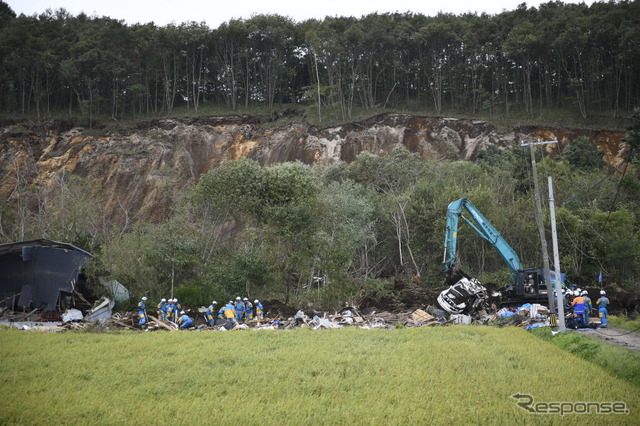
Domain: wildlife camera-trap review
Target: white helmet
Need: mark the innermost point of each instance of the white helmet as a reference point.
(568, 293)
(584, 293)
(144, 299)
(577, 292)
(238, 298)
(602, 292)
(181, 312)
(245, 299)
(163, 300)
(214, 303)
(256, 301)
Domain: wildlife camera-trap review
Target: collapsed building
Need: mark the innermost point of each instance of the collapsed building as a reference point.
(39, 274)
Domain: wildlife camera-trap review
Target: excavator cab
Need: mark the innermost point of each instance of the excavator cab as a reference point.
(529, 284)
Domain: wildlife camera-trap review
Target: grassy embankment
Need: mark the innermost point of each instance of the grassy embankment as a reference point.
(618, 361)
(452, 375)
(624, 322)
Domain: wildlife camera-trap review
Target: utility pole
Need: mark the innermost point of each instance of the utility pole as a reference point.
(543, 238)
(556, 258)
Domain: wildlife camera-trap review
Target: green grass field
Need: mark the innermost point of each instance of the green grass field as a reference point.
(447, 375)
(617, 360)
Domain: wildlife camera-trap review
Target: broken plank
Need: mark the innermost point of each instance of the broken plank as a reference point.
(120, 323)
(162, 324)
(77, 293)
(24, 316)
(258, 321)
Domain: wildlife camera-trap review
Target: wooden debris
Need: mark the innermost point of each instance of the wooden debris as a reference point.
(259, 321)
(77, 293)
(386, 317)
(73, 325)
(172, 327)
(23, 317)
(421, 316)
(14, 296)
(121, 324)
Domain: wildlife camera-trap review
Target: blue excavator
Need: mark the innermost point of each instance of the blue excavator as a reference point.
(466, 293)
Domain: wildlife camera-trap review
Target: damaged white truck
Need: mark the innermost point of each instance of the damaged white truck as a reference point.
(464, 296)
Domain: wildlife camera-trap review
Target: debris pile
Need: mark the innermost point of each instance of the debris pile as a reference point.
(101, 318)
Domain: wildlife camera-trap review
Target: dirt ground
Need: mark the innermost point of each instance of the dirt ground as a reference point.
(616, 336)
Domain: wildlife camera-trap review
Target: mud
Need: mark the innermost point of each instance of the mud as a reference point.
(615, 336)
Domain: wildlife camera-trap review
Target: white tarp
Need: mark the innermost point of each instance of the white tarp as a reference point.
(101, 310)
(117, 291)
(72, 315)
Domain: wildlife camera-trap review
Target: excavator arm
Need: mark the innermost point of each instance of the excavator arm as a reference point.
(482, 227)
(526, 284)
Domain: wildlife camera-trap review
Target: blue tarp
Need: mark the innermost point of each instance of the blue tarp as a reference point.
(526, 306)
(532, 326)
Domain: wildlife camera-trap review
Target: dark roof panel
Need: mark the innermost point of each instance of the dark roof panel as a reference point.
(17, 246)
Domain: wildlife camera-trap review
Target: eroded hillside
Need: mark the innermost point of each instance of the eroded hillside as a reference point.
(144, 171)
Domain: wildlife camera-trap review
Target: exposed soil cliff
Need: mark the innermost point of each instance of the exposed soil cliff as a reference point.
(143, 171)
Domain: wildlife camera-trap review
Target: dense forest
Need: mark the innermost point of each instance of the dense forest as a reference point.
(556, 56)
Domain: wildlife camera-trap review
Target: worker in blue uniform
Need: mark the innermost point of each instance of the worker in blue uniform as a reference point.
(176, 309)
(248, 310)
(184, 321)
(602, 303)
(162, 309)
(239, 307)
(587, 307)
(142, 311)
(221, 311)
(578, 310)
(210, 313)
(230, 312)
(259, 310)
(170, 309)
(568, 297)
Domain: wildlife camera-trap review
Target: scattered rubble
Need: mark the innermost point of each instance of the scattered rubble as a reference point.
(101, 318)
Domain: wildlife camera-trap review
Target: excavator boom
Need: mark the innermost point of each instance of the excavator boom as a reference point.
(467, 293)
(482, 227)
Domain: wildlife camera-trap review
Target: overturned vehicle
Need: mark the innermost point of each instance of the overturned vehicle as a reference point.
(464, 296)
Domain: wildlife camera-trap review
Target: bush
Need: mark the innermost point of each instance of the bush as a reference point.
(191, 296)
